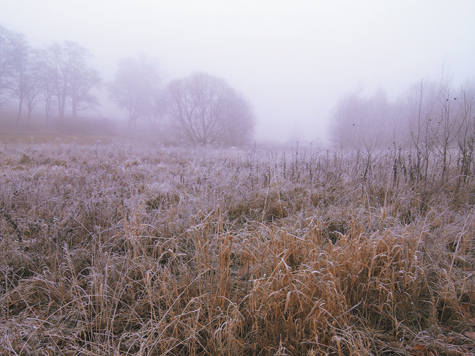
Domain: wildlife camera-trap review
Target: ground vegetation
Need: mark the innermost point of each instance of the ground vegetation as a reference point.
(125, 248)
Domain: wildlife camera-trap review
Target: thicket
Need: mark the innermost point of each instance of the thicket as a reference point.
(127, 249)
(430, 118)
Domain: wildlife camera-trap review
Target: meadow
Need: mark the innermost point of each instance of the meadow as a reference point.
(115, 247)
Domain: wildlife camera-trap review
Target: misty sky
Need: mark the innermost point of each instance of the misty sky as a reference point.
(291, 59)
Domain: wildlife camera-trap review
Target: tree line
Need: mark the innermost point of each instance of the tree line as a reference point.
(58, 75)
(432, 121)
(199, 109)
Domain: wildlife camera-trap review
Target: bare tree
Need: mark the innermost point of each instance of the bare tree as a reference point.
(205, 110)
(419, 109)
(466, 137)
(447, 124)
(46, 85)
(436, 120)
(18, 79)
(33, 88)
(13, 51)
(84, 80)
(135, 87)
(5, 61)
(70, 77)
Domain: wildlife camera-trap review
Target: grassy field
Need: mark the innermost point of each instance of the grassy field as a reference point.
(123, 248)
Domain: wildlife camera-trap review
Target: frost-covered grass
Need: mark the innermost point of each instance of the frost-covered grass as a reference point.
(129, 249)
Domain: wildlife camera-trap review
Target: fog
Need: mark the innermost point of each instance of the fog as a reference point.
(292, 60)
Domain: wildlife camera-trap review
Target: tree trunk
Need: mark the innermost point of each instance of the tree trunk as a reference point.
(47, 109)
(30, 109)
(20, 106)
(62, 105)
(74, 110)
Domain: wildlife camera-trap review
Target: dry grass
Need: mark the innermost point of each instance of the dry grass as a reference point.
(120, 249)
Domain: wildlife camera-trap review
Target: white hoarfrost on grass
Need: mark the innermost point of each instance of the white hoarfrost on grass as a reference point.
(130, 249)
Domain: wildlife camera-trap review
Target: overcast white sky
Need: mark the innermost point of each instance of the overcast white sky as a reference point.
(292, 59)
